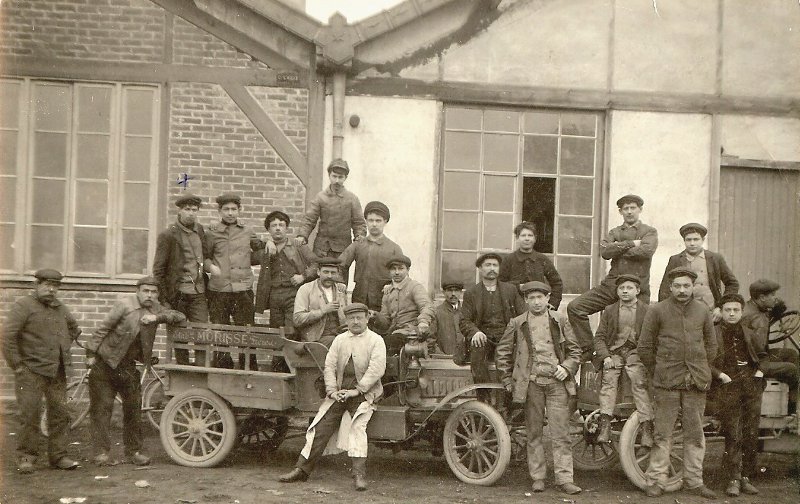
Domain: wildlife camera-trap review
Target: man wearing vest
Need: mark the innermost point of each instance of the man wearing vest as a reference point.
(319, 305)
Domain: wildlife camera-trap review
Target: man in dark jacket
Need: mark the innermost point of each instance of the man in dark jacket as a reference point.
(677, 345)
(38, 333)
(714, 277)
(739, 395)
(527, 265)
(487, 308)
(178, 268)
(615, 349)
(125, 336)
(447, 316)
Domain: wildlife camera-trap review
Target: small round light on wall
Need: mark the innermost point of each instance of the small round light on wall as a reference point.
(354, 121)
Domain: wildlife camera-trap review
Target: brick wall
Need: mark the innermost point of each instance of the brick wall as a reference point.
(193, 46)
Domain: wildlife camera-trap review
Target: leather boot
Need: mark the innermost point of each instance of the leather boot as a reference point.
(294, 475)
(647, 433)
(605, 429)
(360, 472)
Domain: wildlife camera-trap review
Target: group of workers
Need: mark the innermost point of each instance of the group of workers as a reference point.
(701, 331)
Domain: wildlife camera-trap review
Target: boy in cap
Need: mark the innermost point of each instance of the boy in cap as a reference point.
(630, 246)
(125, 335)
(319, 305)
(526, 265)
(37, 336)
(370, 256)
(537, 359)
(615, 349)
(714, 277)
(445, 329)
(178, 268)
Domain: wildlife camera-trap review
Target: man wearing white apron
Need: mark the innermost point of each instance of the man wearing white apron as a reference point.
(354, 366)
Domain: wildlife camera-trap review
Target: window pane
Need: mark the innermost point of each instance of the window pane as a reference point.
(91, 203)
(134, 251)
(89, 249)
(461, 191)
(498, 231)
(138, 112)
(50, 154)
(575, 272)
(540, 154)
(461, 118)
(48, 201)
(94, 109)
(462, 151)
(92, 156)
(577, 156)
(460, 231)
(8, 152)
(137, 158)
(539, 207)
(9, 104)
(51, 107)
(498, 193)
(576, 196)
(46, 247)
(459, 266)
(8, 199)
(500, 153)
(541, 122)
(501, 120)
(575, 235)
(137, 205)
(578, 124)
(7, 246)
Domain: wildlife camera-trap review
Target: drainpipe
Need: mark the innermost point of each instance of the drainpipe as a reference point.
(339, 80)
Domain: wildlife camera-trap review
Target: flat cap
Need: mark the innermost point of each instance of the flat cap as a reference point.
(378, 208)
(630, 198)
(693, 227)
(401, 259)
(188, 199)
(627, 277)
(339, 165)
(355, 308)
(731, 297)
(229, 198)
(488, 255)
(452, 284)
(680, 272)
(276, 214)
(329, 261)
(762, 287)
(535, 286)
(48, 275)
(148, 280)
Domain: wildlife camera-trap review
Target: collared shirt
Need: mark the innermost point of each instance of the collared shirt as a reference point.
(626, 258)
(405, 305)
(702, 290)
(191, 280)
(229, 247)
(371, 275)
(338, 213)
(626, 330)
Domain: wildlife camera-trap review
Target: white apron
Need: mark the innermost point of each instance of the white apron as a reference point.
(351, 435)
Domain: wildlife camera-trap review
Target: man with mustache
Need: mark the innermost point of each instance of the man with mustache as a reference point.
(37, 336)
(446, 321)
(319, 305)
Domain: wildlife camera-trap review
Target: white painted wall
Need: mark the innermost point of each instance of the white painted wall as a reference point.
(666, 159)
(764, 138)
(393, 158)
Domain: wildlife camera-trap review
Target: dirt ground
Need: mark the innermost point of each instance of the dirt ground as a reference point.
(248, 477)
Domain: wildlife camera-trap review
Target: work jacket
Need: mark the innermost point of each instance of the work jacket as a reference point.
(370, 256)
(404, 306)
(234, 249)
(719, 274)
(445, 328)
(756, 354)
(304, 261)
(169, 261)
(607, 331)
(308, 318)
(472, 309)
(627, 258)
(338, 214)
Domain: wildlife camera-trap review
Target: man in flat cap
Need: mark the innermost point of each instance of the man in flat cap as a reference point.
(354, 366)
(760, 310)
(125, 335)
(231, 250)
(630, 246)
(446, 320)
(178, 268)
(370, 256)
(714, 277)
(538, 358)
(488, 307)
(406, 308)
(319, 305)
(527, 265)
(338, 212)
(677, 345)
(615, 350)
(37, 336)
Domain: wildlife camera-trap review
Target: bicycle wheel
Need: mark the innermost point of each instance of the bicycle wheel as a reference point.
(77, 404)
(153, 401)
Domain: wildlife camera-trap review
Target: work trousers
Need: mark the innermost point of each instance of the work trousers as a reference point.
(327, 427)
(554, 399)
(690, 403)
(30, 387)
(104, 385)
(590, 302)
(281, 312)
(239, 306)
(636, 372)
(740, 412)
(479, 359)
(195, 307)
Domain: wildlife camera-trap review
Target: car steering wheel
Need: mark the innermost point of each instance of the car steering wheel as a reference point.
(784, 327)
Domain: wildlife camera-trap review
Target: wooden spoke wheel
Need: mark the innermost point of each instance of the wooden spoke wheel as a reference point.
(154, 401)
(264, 433)
(635, 458)
(587, 453)
(477, 444)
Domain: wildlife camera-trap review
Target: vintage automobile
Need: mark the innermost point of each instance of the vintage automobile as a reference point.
(429, 402)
